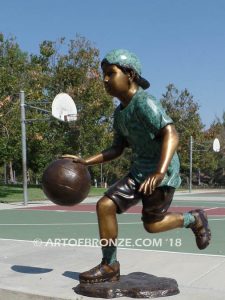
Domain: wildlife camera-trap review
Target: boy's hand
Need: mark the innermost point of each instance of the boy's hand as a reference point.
(75, 158)
(149, 185)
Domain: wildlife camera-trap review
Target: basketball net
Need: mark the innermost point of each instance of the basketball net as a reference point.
(71, 119)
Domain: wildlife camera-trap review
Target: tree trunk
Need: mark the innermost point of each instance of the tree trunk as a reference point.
(11, 175)
(5, 173)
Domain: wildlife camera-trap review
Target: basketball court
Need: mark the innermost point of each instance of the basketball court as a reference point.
(45, 247)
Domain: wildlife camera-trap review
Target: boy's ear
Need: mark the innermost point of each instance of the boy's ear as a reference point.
(132, 75)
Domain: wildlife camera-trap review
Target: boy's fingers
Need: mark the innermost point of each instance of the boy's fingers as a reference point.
(148, 186)
(154, 183)
(78, 160)
(69, 156)
(145, 187)
(141, 188)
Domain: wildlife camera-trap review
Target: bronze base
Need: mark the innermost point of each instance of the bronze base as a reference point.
(134, 285)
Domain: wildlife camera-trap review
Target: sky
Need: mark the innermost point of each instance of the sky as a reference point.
(178, 41)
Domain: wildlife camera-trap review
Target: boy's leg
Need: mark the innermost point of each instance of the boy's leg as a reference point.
(109, 268)
(157, 219)
(107, 221)
(117, 199)
(108, 228)
(169, 221)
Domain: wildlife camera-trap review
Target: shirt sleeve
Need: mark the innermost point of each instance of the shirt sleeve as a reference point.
(152, 115)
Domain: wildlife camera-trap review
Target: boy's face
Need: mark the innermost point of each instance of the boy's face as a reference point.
(116, 82)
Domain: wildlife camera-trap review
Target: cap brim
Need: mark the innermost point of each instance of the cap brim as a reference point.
(143, 83)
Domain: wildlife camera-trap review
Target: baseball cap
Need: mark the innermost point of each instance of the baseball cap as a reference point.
(127, 59)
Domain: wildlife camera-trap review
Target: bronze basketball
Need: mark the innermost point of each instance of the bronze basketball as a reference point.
(65, 182)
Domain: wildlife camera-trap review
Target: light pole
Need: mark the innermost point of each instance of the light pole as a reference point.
(24, 146)
(63, 107)
(191, 155)
(24, 139)
(101, 177)
(6, 133)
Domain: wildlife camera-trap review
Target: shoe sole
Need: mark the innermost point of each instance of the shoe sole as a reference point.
(99, 280)
(204, 220)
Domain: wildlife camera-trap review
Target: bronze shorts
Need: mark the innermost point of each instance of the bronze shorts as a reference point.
(125, 194)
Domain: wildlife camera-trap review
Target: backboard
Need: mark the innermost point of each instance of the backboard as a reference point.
(216, 145)
(64, 108)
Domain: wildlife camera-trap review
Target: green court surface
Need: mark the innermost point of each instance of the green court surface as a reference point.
(45, 247)
(79, 228)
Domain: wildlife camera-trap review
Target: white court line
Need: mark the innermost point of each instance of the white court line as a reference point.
(52, 224)
(206, 273)
(81, 224)
(65, 224)
(211, 208)
(174, 252)
(132, 249)
(202, 201)
(56, 210)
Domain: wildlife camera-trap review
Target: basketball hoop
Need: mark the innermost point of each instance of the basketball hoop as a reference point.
(64, 108)
(216, 145)
(70, 118)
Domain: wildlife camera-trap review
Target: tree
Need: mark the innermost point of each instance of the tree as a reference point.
(76, 71)
(185, 113)
(13, 66)
(217, 130)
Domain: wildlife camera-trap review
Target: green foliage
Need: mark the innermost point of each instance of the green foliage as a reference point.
(185, 113)
(13, 66)
(74, 67)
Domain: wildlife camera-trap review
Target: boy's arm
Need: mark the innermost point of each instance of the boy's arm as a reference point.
(106, 155)
(170, 141)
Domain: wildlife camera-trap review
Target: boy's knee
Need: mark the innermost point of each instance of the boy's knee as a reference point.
(105, 205)
(150, 227)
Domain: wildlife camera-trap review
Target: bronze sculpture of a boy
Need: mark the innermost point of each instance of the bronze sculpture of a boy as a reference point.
(141, 124)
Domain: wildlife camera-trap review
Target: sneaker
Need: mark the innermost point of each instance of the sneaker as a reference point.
(200, 228)
(100, 273)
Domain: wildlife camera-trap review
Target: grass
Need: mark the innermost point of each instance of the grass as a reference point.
(14, 193)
